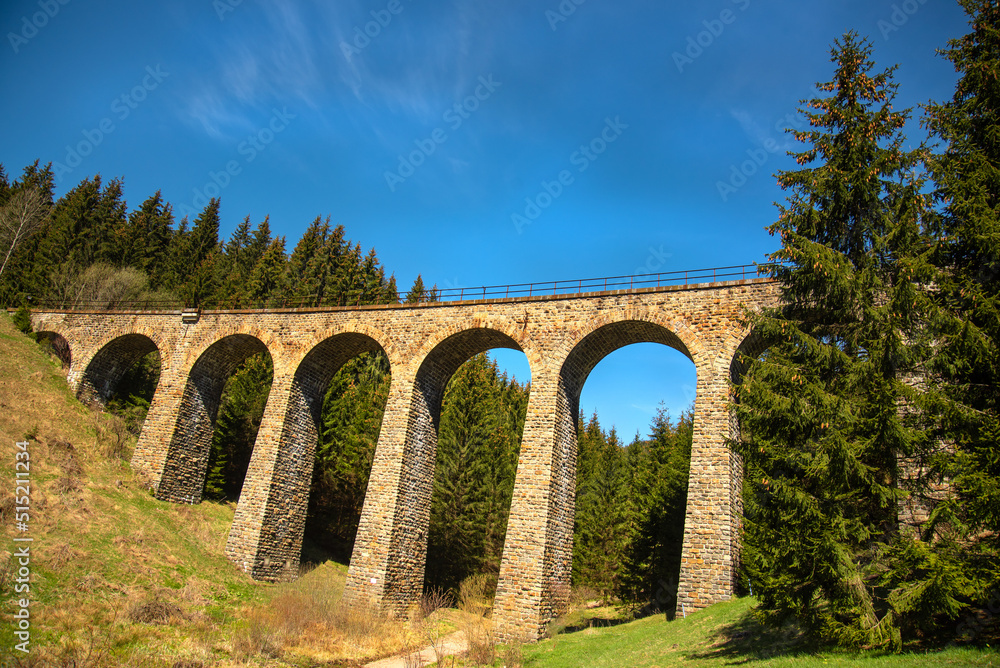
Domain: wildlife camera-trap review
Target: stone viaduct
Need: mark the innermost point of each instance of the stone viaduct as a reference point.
(563, 337)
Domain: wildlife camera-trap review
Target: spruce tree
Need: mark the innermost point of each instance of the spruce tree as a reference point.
(351, 419)
(417, 291)
(821, 417)
(659, 471)
(603, 512)
(967, 174)
(303, 282)
(204, 238)
(268, 274)
(141, 241)
(241, 410)
(233, 269)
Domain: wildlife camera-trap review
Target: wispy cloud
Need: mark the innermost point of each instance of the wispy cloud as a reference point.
(273, 61)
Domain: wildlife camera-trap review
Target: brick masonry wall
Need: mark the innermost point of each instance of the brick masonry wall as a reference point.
(563, 339)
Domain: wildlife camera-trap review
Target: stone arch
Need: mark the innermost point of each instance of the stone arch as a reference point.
(590, 345)
(513, 335)
(59, 344)
(187, 454)
(105, 369)
(268, 530)
(441, 355)
(271, 344)
(748, 346)
(383, 341)
(607, 334)
(422, 392)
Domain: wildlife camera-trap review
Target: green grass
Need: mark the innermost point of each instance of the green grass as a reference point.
(725, 634)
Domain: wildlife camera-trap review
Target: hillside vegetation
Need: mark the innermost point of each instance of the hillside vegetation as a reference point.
(121, 579)
(726, 634)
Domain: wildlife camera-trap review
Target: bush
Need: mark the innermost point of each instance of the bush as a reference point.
(22, 319)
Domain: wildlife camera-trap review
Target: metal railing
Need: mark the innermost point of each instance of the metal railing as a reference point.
(624, 284)
(604, 284)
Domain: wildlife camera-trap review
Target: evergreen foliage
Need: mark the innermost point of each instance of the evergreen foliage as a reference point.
(351, 420)
(482, 417)
(240, 413)
(967, 360)
(659, 468)
(630, 509)
(837, 406)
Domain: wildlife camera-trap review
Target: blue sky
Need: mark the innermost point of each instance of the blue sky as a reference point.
(429, 128)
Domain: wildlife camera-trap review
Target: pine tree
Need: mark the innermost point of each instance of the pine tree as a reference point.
(659, 470)
(198, 259)
(240, 413)
(305, 276)
(267, 276)
(351, 419)
(603, 512)
(416, 293)
(233, 269)
(81, 226)
(820, 411)
(967, 174)
(204, 238)
(478, 442)
(177, 257)
(143, 238)
(390, 295)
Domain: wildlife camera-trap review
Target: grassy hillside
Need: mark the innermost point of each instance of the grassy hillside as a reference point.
(725, 634)
(121, 579)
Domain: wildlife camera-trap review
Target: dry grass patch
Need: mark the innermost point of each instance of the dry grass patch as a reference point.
(307, 621)
(156, 611)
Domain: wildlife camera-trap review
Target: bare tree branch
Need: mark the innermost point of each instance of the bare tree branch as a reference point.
(20, 217)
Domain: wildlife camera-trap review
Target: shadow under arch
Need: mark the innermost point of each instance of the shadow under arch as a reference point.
(268, 530)
(106, 368)
(186, 464)
(58, 344)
